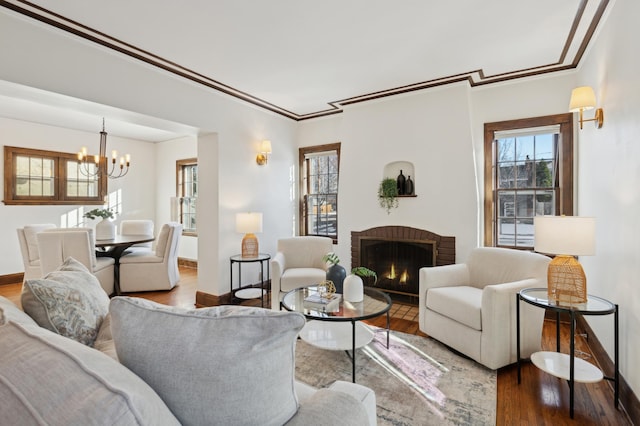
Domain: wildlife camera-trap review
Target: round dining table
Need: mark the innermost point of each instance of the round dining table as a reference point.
(115, 248)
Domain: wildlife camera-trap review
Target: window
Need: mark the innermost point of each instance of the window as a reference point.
(528, 172)
(319, 167)
(34, 176)
(187, 194)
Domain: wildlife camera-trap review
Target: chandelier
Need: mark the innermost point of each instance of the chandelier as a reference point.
(99, 164)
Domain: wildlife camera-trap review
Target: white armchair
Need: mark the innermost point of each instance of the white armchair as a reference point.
(56, 245)
(149, 270)
(29, 248)
(298, 263)
(471, 307)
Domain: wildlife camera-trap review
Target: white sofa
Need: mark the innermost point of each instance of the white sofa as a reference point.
(298, 263)
(471, 307)
(80, 358)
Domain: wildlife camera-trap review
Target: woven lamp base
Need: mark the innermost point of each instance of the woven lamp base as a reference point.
(250, 246)
(567, 283)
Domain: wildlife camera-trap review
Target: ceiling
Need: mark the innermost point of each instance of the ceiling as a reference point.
(304, 59)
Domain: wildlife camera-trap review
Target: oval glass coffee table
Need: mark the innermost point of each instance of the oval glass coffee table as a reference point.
(330, 329)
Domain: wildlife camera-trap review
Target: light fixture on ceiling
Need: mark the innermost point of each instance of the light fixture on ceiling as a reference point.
(99, 165)
(265, 150)
(582, 99)
(566, 237)
(249, 224)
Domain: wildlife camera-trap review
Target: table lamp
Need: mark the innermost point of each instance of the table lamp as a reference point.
(566, 237)
(248, 224)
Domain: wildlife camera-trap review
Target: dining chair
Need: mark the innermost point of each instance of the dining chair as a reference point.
(137, 227)
(29, 248)
(149, 270)
(56, 245)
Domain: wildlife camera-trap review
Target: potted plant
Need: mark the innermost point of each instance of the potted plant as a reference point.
(105, 229)
(353, 285)
(388, 194)
(335, 273)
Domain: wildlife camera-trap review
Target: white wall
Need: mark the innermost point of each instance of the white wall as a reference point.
(609, 170)
(137, 201)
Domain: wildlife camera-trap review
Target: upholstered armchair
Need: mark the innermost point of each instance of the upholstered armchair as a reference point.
(29, 248)
(148, 270)
(298, 263)
(471, 307)
(57, 244)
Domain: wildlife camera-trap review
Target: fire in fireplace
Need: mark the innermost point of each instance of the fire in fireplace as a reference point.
(397, 262)
(397, 253)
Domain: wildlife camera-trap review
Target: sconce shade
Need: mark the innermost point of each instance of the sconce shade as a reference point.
(265, 149)
(248, 224)
(582, 98)
(565, 236)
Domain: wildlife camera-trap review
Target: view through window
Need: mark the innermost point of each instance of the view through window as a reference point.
(528, 172)
(319, 169)
(186, 194)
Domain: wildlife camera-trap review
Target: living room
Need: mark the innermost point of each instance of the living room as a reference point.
(439, 130)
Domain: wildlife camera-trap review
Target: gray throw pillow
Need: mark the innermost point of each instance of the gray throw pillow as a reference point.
(68, 301)
(227, 365)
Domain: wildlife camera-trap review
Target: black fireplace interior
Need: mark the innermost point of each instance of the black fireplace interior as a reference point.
(396, 262)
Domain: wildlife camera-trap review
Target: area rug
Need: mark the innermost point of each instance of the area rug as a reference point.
(417, 381)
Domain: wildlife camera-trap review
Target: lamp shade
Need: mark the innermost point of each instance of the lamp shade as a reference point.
(248, 223)
(265, 147)
(582, 98)
(565, 235)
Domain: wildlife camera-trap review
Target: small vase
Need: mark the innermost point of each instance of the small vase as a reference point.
(336, 274)
(353, 289)
(105, 230)
(401, 181)
(408, 186)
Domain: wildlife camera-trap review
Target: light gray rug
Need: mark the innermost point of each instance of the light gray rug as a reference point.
(417, 381)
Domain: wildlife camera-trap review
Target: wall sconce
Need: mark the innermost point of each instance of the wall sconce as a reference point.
(583, 98)
(265, 150)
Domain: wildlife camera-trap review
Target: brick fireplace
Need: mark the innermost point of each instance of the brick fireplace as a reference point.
(396, 254)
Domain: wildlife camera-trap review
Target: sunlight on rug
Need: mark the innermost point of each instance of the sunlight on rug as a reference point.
(417, 381)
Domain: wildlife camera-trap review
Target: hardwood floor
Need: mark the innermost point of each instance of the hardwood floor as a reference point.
(540, 399)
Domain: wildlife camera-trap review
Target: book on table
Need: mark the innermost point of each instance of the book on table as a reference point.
(322, 302)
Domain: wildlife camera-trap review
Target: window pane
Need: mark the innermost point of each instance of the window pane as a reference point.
(506, 149)
(506, 175)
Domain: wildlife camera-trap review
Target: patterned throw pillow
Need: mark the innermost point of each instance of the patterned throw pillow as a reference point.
(68, 301)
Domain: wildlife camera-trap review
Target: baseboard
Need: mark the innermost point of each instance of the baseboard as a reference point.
(628, 400)
(188, 263)
(205, 300)
(11, 278)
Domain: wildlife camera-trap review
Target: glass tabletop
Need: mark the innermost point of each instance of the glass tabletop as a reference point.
(259, 258)
(593, 306)
(374, 303)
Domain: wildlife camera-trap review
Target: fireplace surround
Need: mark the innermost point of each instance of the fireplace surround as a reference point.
(396, 254)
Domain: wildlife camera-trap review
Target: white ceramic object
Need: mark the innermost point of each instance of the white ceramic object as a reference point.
(105, 230)
(353, 290)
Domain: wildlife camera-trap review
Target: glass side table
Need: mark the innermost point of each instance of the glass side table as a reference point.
(249, 292)
(566, 366)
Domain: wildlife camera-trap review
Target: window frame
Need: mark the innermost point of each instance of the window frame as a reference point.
(304, 184)
(60, 196)
(180, 192)
(564, 200)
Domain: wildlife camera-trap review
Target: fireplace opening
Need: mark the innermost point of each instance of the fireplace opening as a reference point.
(396, 254)
(397, 263)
